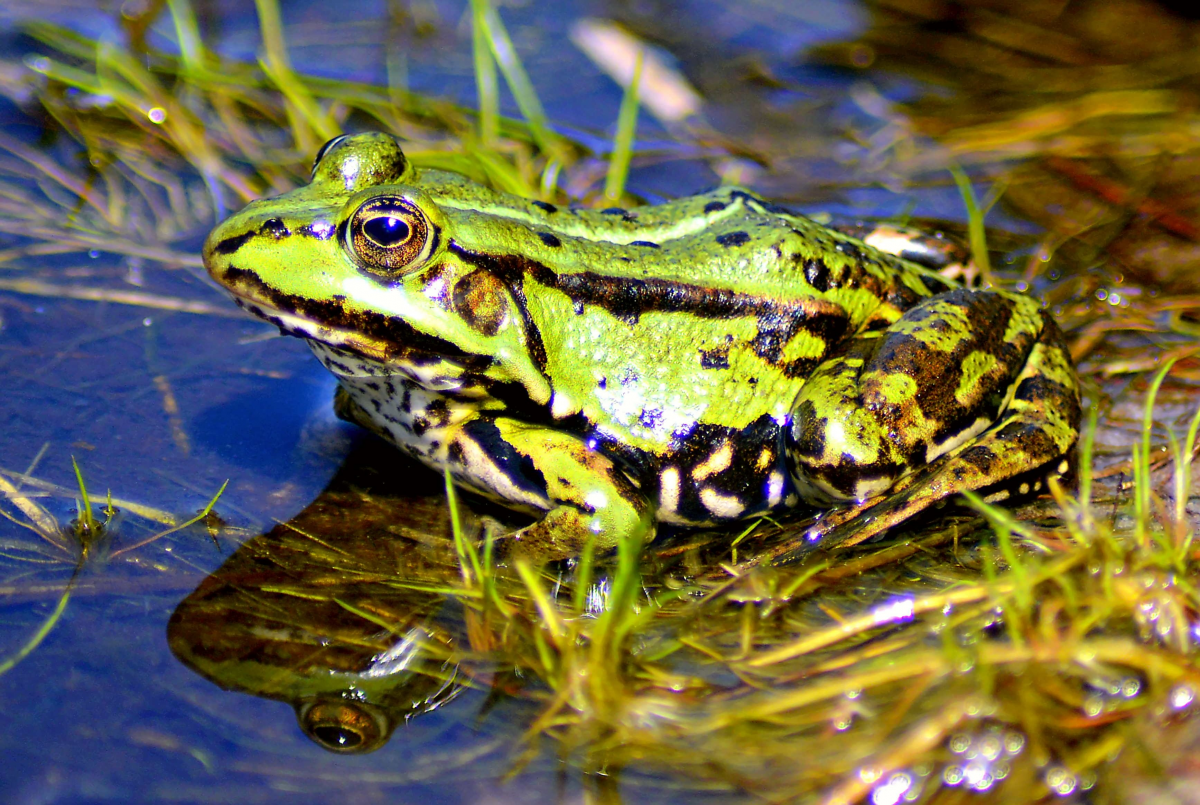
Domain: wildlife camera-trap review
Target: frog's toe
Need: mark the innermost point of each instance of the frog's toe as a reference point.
(566, 532)
(857, 523)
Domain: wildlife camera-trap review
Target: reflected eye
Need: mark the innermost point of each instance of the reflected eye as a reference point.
(344, 727)
(390, 235)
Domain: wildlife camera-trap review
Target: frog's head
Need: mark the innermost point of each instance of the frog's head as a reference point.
(361, 259)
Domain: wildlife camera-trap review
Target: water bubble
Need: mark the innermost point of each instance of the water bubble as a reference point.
(1093, 705)
(1130, 686)
(986, 757)
(157, 114)
(989, 746)
(869, 774)
(892, 790)
(978, 775)
(1061, 780)
(1181, 696)
(1014, 742)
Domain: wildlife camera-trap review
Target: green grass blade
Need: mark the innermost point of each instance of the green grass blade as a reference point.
(583, 577)
(304, 113)
(1141, 457)
(85, 509)
(1085, 461)
(486, 85)
(36, 640)
(618, 166)
(515, 76)
(191, 47)
(545, 606)
(975, 229)
(468, 557)
(1183, 472)
(185, 524)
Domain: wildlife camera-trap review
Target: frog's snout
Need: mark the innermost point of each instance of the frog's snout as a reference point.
(222, 242)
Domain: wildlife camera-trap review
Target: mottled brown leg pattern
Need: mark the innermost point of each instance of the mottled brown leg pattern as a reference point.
(1032, 437)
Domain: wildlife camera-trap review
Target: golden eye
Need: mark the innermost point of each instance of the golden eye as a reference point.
(344, 727)
(389, 235)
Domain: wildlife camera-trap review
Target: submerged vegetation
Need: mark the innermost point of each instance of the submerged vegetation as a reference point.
(1023, 655)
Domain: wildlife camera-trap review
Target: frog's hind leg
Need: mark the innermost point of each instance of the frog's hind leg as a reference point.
(1029, 437)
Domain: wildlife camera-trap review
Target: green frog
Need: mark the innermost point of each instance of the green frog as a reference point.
(697, 362)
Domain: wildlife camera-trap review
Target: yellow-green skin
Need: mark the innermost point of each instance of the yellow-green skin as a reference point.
(696, 362)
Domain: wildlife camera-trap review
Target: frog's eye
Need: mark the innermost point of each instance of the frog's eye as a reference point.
(344, 727)
(325, 149)
(389, 235)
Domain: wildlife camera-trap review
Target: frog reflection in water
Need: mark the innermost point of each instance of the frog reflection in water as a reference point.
(696, 362)
(298, 614)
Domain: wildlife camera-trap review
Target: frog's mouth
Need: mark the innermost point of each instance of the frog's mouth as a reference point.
(323, 321)
(300, 326)
(371, 335)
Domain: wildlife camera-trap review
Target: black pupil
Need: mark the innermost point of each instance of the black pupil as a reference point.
(336, 736)
(386, 230)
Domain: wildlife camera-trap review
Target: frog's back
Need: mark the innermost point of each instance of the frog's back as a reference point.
(726, 239)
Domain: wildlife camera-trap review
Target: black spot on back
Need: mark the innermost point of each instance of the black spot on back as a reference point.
(715, 358)
(549, 239)
(849, 249)
(646, 243)
(545, 206)
(733, 239)
(817, 274)
(715, 206)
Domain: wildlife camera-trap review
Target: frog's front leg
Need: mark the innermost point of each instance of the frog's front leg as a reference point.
(585, 496)
(968, 390)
